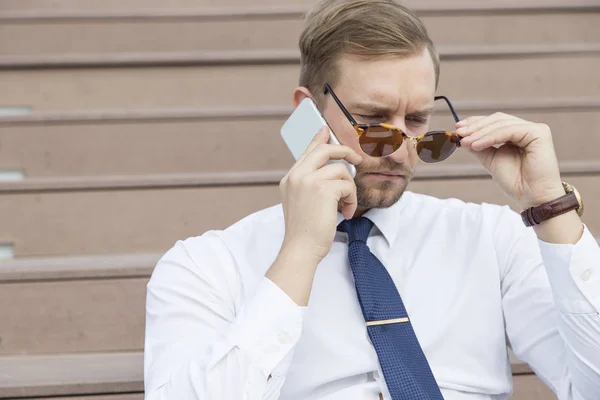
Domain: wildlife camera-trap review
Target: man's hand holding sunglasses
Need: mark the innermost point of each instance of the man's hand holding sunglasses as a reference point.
(520, 156)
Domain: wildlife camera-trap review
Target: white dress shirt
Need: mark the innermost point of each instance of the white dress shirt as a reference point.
(473, 278)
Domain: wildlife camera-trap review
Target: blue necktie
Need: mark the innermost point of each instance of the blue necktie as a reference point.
(405, 368)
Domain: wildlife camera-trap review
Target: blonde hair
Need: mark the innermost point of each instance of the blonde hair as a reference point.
(363, 28)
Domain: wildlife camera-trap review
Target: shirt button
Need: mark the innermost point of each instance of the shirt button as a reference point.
(586, 275)
(284, 338)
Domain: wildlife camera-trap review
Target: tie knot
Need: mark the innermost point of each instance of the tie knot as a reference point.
(356, 228)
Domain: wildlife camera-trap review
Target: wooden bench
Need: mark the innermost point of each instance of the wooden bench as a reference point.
(72, 375)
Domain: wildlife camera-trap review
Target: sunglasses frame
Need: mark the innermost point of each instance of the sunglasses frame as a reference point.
(362, 128)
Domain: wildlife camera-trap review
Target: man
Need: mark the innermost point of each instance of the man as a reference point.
(358, 289)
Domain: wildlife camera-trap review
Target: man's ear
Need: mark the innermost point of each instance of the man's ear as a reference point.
(301, 93)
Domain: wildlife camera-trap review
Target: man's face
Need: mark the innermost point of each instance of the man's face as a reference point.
(393, 91)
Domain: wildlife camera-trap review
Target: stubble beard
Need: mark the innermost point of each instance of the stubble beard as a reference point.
(379, 194)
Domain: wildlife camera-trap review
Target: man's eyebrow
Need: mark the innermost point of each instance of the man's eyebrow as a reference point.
(372, 108)
(425, 112)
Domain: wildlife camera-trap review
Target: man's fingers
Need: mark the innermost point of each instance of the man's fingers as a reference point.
(322, 136)
(468, 126)
(346, 192)
(467, 121)
(489, 129)
(517, 134)
(334, 171)
(322, 153)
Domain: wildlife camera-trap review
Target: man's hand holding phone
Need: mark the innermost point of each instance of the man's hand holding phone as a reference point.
(311, 192)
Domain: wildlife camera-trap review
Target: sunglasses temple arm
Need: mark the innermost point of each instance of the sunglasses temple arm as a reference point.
(456, 118)
(340, 105)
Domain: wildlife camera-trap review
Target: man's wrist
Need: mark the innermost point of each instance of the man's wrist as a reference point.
(293, 271)
(546, 197)
(556, 215)
(563, 229)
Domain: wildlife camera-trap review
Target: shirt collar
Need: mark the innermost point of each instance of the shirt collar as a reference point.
(386, 220)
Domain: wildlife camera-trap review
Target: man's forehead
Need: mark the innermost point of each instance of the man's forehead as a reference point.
(421, 64)
(386, 81)
(388, 98)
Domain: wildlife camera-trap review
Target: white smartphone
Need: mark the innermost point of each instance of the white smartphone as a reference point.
(302, 126)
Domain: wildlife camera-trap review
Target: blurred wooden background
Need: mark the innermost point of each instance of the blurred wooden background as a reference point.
(126, 125)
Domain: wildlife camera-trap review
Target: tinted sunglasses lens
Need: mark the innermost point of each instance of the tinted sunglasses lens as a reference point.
(380, 141)
(437, 146)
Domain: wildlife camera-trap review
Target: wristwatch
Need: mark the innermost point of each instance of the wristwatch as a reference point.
(570, 201)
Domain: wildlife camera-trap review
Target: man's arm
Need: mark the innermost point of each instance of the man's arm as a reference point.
(551, 300)
(206, 337)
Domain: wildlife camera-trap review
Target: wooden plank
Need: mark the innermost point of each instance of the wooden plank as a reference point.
(71, 317)
(525, 28)
(57, 375)
(150, 221)
(78, 268)
(254, 85)
(137, 182)
(250, 57)
(166, 145)
(104, 38)
(121, 222)
(153, 8)
(530, 387)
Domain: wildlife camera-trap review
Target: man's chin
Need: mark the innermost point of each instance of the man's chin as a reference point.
(380, 193)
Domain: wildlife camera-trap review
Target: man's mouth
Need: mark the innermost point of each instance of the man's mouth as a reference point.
(387, 174)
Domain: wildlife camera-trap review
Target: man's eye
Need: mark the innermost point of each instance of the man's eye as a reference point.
(417, 120)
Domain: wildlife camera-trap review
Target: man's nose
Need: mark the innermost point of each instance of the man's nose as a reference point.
(401, 155)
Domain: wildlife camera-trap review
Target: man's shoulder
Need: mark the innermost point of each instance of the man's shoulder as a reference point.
(455, 206)
(268, 220)
(253, 238)
(266, 226)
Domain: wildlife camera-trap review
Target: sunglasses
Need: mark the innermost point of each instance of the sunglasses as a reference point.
(381, 140)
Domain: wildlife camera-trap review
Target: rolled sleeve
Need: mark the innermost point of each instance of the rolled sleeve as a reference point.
(574, 274)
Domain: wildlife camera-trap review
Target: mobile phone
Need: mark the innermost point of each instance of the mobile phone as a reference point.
(302, 126)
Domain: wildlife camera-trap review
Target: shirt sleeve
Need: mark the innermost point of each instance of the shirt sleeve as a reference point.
(208, 336)
(574, 274)
(550, 297)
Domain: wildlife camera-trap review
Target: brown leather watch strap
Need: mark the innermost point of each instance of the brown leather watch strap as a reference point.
(536, 215)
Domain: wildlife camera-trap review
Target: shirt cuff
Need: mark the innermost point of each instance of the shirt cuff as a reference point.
(573, 274)
(269, 327)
